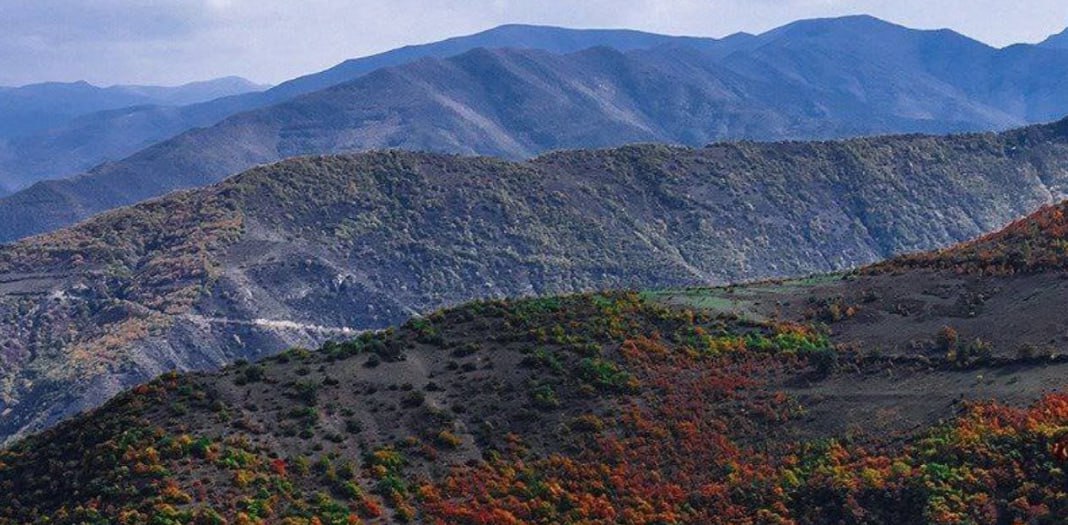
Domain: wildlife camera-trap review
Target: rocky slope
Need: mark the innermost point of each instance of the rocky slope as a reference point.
(812, 79)
(318, 248)
(811, 401)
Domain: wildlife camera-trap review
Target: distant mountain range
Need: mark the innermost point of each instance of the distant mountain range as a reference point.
(317, 248)
(35, 108)
(69, 147)
(54, 129)
(812, 79)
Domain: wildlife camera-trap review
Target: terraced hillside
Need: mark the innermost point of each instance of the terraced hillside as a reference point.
(824, 400)
(319, 248)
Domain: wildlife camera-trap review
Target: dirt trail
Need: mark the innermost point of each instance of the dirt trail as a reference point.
(272, 324)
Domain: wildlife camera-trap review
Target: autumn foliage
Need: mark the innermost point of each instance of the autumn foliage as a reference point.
(1035, 243)
(657, 416)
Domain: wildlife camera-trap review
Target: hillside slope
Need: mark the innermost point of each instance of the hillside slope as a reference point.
(309, 249)
(743, 405)
(812, 79)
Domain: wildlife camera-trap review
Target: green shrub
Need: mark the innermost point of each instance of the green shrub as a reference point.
(603, 374)
(544, 397)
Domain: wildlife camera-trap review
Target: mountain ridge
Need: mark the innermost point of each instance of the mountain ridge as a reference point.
(592, 98)
(1058, 41)
(112, 135)
(51, 103)
(772, 86)
(313, 248)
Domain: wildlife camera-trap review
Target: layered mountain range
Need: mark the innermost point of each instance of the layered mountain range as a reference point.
(915, 391)
(46, 127)
(71, 146)
(30, 109)
(551, 276)
(812, 79)
(317, 248)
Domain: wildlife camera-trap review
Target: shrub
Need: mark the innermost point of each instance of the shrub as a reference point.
(603, 374)
(542, 358)
(946, 340)
(253, 374)
(413, 399)
(303, 465)
(465, 350)
(824, 360)
(448, 439)
(544, 397)
(373, 361)
(307, 391)
(586, 423)
(353, 426)
(976, 352)
(352, 490)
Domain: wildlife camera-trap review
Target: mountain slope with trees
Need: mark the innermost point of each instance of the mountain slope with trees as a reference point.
(317, 248)
(776, 402)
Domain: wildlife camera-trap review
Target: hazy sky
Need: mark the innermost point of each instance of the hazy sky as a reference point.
(175, 41)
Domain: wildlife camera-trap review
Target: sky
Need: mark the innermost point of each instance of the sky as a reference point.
(171, 42)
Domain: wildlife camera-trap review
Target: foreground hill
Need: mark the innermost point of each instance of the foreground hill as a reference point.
(779, 402)
(309, 249)
(812, 79)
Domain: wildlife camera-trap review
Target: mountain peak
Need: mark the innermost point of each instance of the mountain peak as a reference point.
(848, 30)
(847, 23)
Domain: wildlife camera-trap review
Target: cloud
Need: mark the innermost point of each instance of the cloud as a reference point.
(175, 41)
(60, 21)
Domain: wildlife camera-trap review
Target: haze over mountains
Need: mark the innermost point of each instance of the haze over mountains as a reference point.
(79, 145)
(34, 108)
(36, 113)
(812, 79)
(310, 249)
